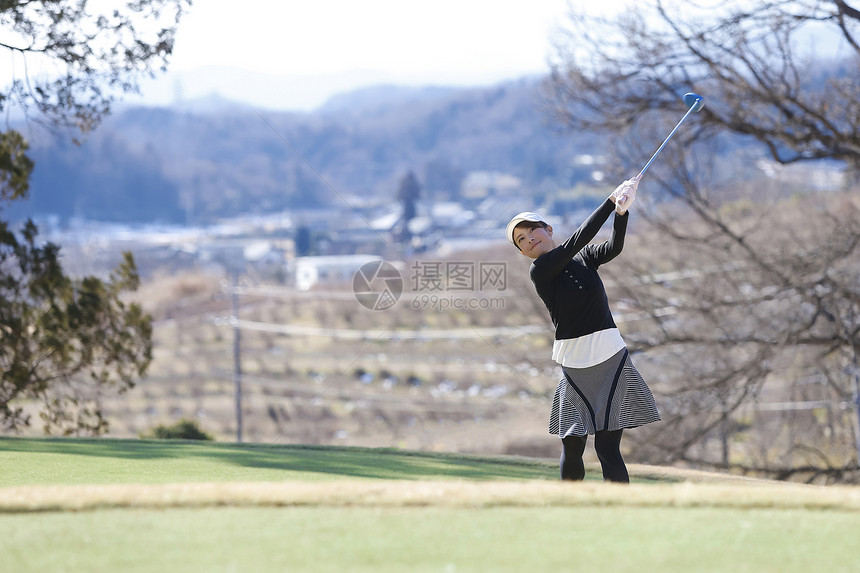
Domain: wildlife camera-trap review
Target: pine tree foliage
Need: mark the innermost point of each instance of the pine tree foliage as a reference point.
(65, 341)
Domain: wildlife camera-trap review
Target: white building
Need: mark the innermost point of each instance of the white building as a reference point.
(337, 269)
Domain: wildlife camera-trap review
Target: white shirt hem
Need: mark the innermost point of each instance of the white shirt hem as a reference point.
(588, 350)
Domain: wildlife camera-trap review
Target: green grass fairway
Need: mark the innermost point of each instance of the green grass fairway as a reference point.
(140, 506)
(80, 461)
(379, 540)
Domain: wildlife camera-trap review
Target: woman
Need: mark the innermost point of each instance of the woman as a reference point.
(601, 392)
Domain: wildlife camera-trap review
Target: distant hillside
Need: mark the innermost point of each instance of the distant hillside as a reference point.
(210, 159)
(376, 97)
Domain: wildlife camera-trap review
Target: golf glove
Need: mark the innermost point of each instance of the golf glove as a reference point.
(624, 195)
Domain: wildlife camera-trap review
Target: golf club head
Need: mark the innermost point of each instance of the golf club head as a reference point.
(694, 101)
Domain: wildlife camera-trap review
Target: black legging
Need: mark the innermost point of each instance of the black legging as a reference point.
(608, 447)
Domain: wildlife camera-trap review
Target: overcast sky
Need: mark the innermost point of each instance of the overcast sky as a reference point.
(309, 50)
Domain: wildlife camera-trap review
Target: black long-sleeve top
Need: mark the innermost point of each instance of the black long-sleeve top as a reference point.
(566, 277)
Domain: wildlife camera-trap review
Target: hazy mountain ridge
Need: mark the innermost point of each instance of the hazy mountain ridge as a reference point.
(197, 163)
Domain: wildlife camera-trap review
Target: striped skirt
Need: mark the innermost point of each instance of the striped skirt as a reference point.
(608, 396)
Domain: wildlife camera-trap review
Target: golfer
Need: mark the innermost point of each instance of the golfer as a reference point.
(601, 392)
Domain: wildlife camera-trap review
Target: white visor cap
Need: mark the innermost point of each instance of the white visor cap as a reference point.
(524, 217)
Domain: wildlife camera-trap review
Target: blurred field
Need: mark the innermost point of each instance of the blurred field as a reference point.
(475, 395)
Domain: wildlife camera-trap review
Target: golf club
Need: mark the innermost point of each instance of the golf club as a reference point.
(695, 103)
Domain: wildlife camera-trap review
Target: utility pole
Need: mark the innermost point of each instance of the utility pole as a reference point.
(237, 356)
(854, 371)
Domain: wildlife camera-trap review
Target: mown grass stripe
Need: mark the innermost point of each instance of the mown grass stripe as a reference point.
(449, 494)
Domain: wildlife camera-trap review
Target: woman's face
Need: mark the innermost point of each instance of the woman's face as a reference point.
(533, 241)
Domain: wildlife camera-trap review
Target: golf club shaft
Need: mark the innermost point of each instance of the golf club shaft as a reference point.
(668, 137)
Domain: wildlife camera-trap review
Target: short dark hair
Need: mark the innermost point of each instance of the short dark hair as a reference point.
(527, 225)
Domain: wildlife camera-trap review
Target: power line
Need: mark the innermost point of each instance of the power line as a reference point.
(352, 334)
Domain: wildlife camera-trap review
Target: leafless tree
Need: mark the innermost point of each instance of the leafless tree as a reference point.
(784, 72)
(744, 298)
(72, 60)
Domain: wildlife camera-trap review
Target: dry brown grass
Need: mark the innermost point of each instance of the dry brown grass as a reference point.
(710, 491)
